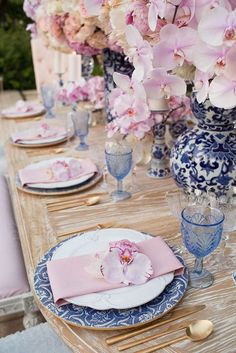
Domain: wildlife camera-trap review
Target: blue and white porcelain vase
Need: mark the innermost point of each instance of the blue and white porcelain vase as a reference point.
(204, 158)
(160, 164)
(113, 62)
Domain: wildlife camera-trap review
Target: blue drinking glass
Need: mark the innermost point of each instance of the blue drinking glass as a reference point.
(81, 127)
(201, 229)
(48, 98)
(119, 164)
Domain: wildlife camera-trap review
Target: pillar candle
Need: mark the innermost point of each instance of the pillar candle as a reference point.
(58, 69)
(74, 67)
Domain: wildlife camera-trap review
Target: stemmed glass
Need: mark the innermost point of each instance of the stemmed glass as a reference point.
(119, 163)
(201, 229)
(48, 97)
(81, 127)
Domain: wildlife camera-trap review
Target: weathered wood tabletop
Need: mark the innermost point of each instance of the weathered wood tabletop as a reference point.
(147, 211)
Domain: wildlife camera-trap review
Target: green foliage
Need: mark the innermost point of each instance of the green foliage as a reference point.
(15, 53)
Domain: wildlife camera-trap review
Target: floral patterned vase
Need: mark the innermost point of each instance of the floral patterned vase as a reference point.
(114, 62)
(176, 128)
(159, 165)
(204, 158)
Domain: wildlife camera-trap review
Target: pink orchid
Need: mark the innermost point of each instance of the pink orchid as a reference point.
(180, 107)
(210, 59)
(72, 92)
(46, 131)
(203, 6)
(222, 92)
(63, 171)
(175, 46)
(124, 264)
(140, 52)
(184, 14)
(201, 84)
(131, 109)
(230, 67)
(163, 85)
(129, 85)
(218, 26)
(23, 107)
(157, 9)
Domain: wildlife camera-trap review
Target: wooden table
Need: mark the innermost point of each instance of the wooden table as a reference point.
(146, 211)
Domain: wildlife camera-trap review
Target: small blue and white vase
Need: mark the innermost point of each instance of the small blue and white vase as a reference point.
(160, 164)
(113, 62)
(204, 158)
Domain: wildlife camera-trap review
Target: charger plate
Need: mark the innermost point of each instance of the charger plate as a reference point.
(111, 319)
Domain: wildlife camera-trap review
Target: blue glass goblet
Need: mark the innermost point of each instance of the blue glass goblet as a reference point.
(201, 229)
(119, 162)
(81, 127)
(48, 98)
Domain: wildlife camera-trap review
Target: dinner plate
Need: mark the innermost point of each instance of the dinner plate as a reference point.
(40, 143)
(122, 298)
(58, 184)
(11, 114)
(111, 319)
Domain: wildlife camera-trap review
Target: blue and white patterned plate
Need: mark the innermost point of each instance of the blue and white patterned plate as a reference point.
(113, 318)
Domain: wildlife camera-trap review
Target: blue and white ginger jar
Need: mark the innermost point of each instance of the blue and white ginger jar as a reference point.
(204, 158)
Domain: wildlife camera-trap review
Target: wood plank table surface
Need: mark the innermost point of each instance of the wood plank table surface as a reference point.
(146, 211)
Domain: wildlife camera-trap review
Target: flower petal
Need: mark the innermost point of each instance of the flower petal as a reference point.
(139, 271)
(112, 269)
(222, 92)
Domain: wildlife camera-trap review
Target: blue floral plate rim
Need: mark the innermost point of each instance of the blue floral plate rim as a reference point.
(112, 319)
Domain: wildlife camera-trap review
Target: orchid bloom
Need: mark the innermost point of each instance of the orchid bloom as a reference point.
(63, 171)
(230, 67)
(181, 15)
(175, 46)
(203, 6)
(201, 82)
(93, 7)
(129, 85)
(157, 8)
(163, 85)
(222, 92)
(210, 59)
(218, 26)
(125, 264)
(140, 52)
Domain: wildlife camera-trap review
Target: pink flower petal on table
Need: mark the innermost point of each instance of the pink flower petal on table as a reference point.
(111, 268)
(230, 66)
(60, 170)
(222, 92)
(139, 271)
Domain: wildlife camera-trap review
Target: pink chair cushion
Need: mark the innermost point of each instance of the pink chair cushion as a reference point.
(13, 279)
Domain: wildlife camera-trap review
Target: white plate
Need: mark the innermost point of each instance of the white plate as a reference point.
(121, 298)
(59, 184)
(10, 113)
(43, 140)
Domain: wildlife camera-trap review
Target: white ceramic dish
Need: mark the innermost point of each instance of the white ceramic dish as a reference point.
(11, 113)
(122, 298)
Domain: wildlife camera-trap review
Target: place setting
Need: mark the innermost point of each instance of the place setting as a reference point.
(42, 135)
(58, 176)
(23, 109)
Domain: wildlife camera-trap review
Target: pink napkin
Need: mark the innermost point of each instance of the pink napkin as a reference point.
(43, 132)
(57, 171)
(69, 277)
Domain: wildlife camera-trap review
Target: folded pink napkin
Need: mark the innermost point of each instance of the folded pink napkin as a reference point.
(69, 277)
(42, 132)
(61, 170)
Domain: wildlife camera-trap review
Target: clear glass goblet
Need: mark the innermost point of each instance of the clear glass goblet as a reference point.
(48, 98)
(81, 127)
(119, 163)
(201, 229)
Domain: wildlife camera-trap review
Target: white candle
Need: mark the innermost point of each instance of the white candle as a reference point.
(72, 67)
(58, 67)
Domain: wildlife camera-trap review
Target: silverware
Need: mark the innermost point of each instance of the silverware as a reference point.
(172, 328)
(177, 314)
(198, 330)
(89, 202)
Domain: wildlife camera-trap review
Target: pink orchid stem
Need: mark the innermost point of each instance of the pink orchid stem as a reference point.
(173, 110)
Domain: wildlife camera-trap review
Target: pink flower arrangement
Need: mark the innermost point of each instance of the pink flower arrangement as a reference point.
(125, 264)
(92, 90)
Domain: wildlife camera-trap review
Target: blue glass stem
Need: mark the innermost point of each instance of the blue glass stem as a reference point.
(119, 186)
(198, 265)
(82, 141)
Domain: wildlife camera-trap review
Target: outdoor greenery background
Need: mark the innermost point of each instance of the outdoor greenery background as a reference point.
(15, 53)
